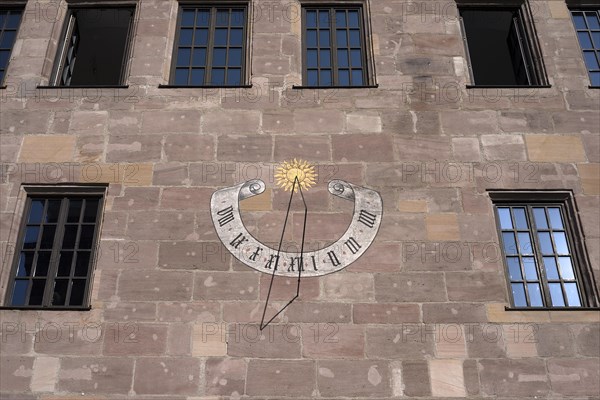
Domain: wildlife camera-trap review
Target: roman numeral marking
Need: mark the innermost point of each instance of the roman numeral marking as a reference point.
(314, 263)
(296, 261)
(255, 254)
(272, 258)
(334, 260)
(238, 240)
(366, 218)
(353, 245)
(226, 216)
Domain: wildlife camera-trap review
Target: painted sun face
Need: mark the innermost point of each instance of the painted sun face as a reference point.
(289, 171)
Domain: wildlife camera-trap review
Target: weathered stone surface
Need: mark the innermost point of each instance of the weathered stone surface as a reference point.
(415, 375)
(447, 378)
(442, 227)
(385, 313)
(587, 338)
(137, 339)
(454, 312)
(143, 285)
(261, 372)
(187, 147)
(522, 378)
(353, 378)
(244, 148)
(574, 376)
(226, 286)
(276, 341)
(209, 339)
(409, 341)
(176, 376)
(16, 373)
(362, 147)
(333, 340)
(206, 256)
(225, 377)
(475, 286)
(171, 121)
(55, 148)
(503, 147)
(411, 286)
(96, 375)
(554, 341)
(318, 312)
(546, 148)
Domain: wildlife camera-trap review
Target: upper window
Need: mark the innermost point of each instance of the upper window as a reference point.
(9, 24)
(334, 50)
(94, 48)
(56, 245)
(210, 46)
(543, 253)
(502, 46)
(587, 24)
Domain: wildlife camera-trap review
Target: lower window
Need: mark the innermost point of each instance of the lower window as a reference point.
(56, 246)
(544, 255)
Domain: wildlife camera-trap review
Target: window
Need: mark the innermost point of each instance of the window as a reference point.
(210, 46)
(334, 50)
(94, 48)
(56, 246)
(544, 256)
(9, 25)
(501, 46)
(587, 25)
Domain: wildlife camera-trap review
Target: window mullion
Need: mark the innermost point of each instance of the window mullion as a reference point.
(539, 259)
(55, 255)
(210, 46)
(333, 46)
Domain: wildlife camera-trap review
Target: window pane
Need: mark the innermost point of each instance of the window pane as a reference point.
(596, 38)
(572, 295)
(235, 58)
(595, 78)
(4, 56)
(540, 218)
(86, 236)
(234, 76)
(74, 210)
(202, 18)
(311, 19)
(69, 237)
(181, 76)
(566, 268)
(217, 76)
(545, 243)
(237, 18)
(356, 60)
(37, 292)
(219, 57)
(341, 39)
(311, 38)
(60, 292)
(53, 211)
(36, 211)
(530, 268)
(77, 292)
(47, 236)
(199, 57)
(43, 263)
(505, 221)
(344, 77)
(520, 218)
(19, 292)
(185, 37)
(324, 38)
(592, 20)
(221, 37)
(579, 21)
(31, 237)
(8, 38)
(197, 77)
(525, 243)
(510, 246)
(354, 38)
(222, 17)
(535, 295)
(585, 40)
(590, 59)
(12, 21)
(183, 57)
(518, 293)
(514, 269)
(82, 262)
(325, 78)
(64, 264)
(340, 19)
(560, 241)
(25, 264)
(357, 77)
(555, 218)
(353, 19)
(187, 18)
(323, 19)
(311, 59)
(236, 37)
(342, 60)
(556, 295)
(325, 58)
(550, 266)
(313, 77)
(201, 38)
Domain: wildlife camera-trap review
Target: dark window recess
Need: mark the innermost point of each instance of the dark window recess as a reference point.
(543, 259)
(210, 47)
(587, 25)
(95, 47)
(334, 47)
(9, 25)
(502, 47)
(55, 251)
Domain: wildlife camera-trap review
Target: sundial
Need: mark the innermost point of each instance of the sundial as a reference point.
(296, 176)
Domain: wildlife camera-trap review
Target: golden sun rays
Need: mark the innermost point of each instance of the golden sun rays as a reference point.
(288, 171)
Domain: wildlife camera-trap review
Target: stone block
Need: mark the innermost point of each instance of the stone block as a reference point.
(409, 341)
(574, 376)
(362, 147)
(318, 312)
(313, 148)
(450, 341)
(550, 148)
(45, 371)
(175, 376)
(475, 286)
(503, 147)
(188, 312)
(130, 312)
(134, 148)
(454, 313)
(415, 375)
(554, 341)
(333, 340)
(486, 341)
(162, 121)
(466, 149)
(385, 313)
(104, 375)
(363, 122)
(137, 339)
(240, 148)
(137, 198)
(442, 227)
(225, 377)
(461, 123)
(206, 256)
(163, 225)
(520, 378)
(259, 380)
(346, 378)
(15, 373)
(318, 121)
(447, 378)
(590, 178)
(46, 149)
(231, 122)
(149, 285)
(209, 339)
(226, 286)
(275, 341)
(520, 340)
(410, 287)
(354, 287)
(189, 147)
(587, 338)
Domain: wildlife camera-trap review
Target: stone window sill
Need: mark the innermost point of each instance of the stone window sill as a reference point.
(508, 86)
(204, 86)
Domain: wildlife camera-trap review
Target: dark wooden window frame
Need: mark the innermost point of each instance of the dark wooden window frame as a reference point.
(62, 48)
(62, 193)
(246, 42)
(11, 7)
(538, 67)
(365, 39)
(575, 236)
